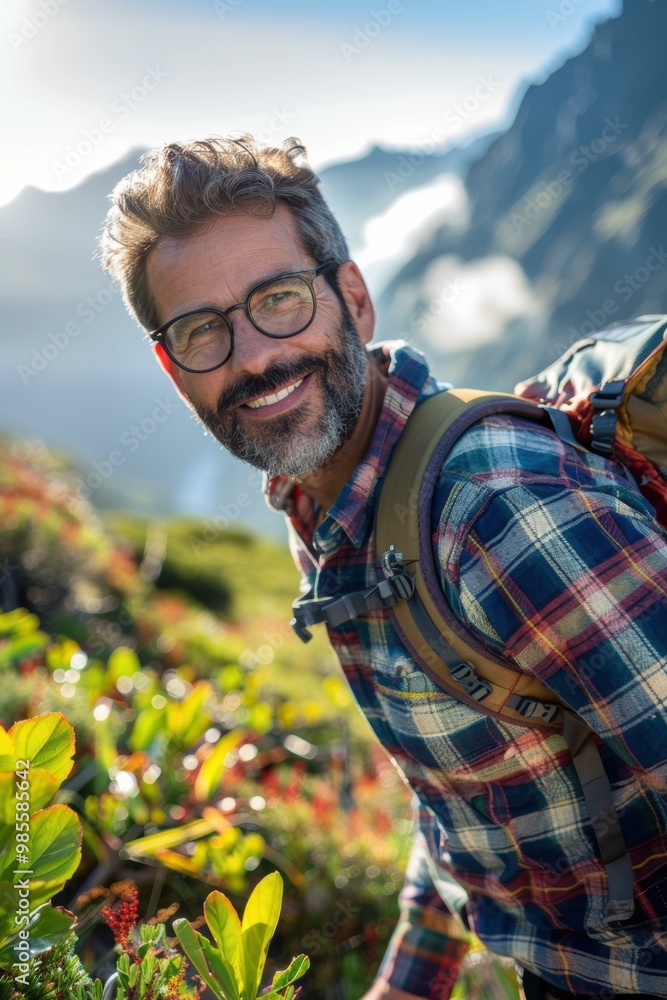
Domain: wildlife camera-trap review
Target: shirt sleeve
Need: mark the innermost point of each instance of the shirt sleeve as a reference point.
(430, 940)
(571, 585)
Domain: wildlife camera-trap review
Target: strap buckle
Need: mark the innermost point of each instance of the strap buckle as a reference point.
(391, 562)
(531, 708)
(303, 633)
(606, 401)
(608, 396)
(398, 584)
(475, 686)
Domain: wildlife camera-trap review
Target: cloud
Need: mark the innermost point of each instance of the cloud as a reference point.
(392, 237)
(466, 305)
(229, 74)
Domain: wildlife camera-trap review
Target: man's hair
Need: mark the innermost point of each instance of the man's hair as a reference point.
(182, 187)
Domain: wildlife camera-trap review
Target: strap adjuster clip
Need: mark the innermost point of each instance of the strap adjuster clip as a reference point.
(303, 633)
(606, 401)
(531, 708)
(398, 584)
(391, 562)
(608, 396)
(475, 686)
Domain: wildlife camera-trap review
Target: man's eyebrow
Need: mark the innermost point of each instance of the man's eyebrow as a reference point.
(269, 277)
(297, 269)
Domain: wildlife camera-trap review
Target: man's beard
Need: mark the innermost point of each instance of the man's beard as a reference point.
(281, 446)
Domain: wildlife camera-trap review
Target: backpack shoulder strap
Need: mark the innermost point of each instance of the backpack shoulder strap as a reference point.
(453, 659)
(447, 653)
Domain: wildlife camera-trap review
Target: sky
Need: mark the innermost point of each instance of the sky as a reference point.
(85, 81)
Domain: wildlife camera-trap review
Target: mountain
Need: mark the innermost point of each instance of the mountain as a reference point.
(557, 231)
(358, 190)
(567, 217)
(78, 374)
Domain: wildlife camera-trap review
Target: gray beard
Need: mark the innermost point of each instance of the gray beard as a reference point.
(281, 447)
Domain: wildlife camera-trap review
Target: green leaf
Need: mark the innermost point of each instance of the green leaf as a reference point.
(149, 723)
(222, 971)
(166, 839)
(7, 762)
(278, 995)
(55, 852)
(210, 772)
(123, 662)
(106, 750)
(189, 719)
(297, 968)
(191, 943)
(257, 928)
(47, 741)
(47, 927)
(43, 787)
(17, 621)
(224, 924)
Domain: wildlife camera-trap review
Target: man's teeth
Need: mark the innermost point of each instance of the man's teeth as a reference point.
(275, 396)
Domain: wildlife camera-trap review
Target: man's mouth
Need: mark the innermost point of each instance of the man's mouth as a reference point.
(275, 397)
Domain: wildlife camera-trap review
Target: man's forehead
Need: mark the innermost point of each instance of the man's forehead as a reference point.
(238, 250)
(241, 234)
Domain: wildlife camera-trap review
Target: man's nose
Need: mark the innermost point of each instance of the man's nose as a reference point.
(253, 351)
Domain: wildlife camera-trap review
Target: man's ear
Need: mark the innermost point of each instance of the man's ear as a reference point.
(172, 371)
(357, 298)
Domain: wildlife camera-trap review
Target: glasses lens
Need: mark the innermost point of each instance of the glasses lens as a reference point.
(200, 341)
(282, 307)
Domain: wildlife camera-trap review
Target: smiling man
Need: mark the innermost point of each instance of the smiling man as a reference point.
(286, 411)
(229, 257)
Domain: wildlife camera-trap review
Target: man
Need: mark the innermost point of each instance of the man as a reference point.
(228, 254)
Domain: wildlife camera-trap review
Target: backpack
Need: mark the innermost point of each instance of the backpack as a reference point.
(608, 394)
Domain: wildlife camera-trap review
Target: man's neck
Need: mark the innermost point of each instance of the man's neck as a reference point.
(324, 485)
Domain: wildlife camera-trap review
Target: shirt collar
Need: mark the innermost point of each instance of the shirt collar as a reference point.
(409, 380)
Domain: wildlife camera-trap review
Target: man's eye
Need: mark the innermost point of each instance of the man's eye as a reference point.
(195, 331)
(284, 298)
(276, 299)
(203, 328)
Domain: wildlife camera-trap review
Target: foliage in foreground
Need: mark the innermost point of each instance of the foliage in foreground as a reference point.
(209, 752)
(232, 966)
(40, 850)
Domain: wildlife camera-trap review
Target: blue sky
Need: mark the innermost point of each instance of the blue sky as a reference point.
(91, 79)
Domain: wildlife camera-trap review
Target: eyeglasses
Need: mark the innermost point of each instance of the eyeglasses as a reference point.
(203, 340)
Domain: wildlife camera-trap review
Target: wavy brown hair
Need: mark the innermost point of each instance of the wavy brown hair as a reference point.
(181, 187)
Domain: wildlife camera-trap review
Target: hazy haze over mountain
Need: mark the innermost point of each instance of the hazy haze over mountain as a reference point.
(493, 260)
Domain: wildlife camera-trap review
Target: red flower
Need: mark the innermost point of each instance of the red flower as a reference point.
(122, 920)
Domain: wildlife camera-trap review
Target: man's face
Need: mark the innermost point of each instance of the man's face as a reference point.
(325, 367)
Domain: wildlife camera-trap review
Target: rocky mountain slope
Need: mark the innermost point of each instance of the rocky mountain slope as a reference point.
(572, 199)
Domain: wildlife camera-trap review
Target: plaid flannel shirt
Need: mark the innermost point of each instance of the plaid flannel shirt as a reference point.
(555, 562)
